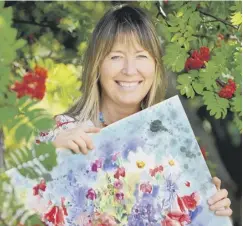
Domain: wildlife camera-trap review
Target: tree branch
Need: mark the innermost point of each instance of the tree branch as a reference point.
(210, 21)
(201, 36)
(219, 19)
(160, 10)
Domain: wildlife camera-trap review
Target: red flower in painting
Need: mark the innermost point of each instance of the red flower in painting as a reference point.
(180, 217)
(33, 84)
(188, 184)
(156, 170)
(191, 201)
(146, 187)
(181, 205)
(91, 194)
(167, 222)
(176, 218)
(119, 196)
(56, 215)
(118, 184)
(120, 172)
(96, 165)
(41, 186)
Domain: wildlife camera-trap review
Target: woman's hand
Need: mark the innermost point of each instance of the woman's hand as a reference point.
(220, 203)
(76, 139)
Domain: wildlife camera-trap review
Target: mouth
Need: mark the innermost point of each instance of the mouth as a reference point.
(128, 85)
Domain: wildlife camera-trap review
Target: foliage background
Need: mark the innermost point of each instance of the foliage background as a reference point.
(54, 35)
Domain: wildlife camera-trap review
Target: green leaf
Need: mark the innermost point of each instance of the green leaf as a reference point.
(187, 90)
(176, 37)
(194, 20)
(27, 161)
(187, 45)
(237, 104)
(236, 18)
(175, 57)
(23, 132)
(238, 121)
(7, 113)
(49, 152)
(209, 75)
(181, 40)
(172, 20)
(237, 6)
(174, 29)
(34, 220)
(43, 123)
(216, 105)
(19, 44)
(163, 30)
(35, 113)
(185, 84)
(198, 87)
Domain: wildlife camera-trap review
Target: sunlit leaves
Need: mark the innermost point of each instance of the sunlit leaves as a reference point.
(236, 18)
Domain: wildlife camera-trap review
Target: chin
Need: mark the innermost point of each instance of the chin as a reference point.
(130, 102)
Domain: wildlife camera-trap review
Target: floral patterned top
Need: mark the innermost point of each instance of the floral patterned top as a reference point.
(62, 122)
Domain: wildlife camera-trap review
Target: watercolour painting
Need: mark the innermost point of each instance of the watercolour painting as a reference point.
(145, 170)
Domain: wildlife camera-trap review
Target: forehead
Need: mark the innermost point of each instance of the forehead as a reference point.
(126, 41)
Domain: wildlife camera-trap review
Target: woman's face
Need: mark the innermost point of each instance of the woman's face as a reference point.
(126, 74)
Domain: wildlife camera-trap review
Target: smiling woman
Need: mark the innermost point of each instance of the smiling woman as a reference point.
(122, 74)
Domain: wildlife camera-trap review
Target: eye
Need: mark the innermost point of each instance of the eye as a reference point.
(142, 56)
(115, 57)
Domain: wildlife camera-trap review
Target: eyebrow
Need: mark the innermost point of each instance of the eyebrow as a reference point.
(119, 51)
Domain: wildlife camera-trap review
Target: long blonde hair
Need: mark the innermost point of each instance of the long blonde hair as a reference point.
(119, 23)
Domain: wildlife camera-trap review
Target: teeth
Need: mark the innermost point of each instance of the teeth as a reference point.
(128, 84)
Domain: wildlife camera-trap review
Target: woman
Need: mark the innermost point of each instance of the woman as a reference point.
(122, 74)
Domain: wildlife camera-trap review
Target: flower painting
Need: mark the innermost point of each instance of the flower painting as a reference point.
(146, 170)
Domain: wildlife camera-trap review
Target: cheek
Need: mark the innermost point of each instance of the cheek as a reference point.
(109, 70)
(148, 70)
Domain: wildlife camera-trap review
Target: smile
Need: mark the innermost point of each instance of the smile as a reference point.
(129, 85)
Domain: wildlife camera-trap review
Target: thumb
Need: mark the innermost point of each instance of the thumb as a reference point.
(217, 182)
(92, 130)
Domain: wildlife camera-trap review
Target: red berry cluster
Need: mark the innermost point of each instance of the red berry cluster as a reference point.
(228, 90)
(33, 84)
(197, 59)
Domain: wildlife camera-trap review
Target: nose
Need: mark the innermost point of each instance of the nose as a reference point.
(129, 67)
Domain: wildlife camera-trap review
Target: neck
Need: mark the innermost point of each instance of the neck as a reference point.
(113, 112)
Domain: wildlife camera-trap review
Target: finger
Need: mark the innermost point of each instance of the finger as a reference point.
(220, 205)
(82, 145)
(92, 130)
(87, 140)
(217, 182)
(226, 212)
(72, 146)
(218, 196)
